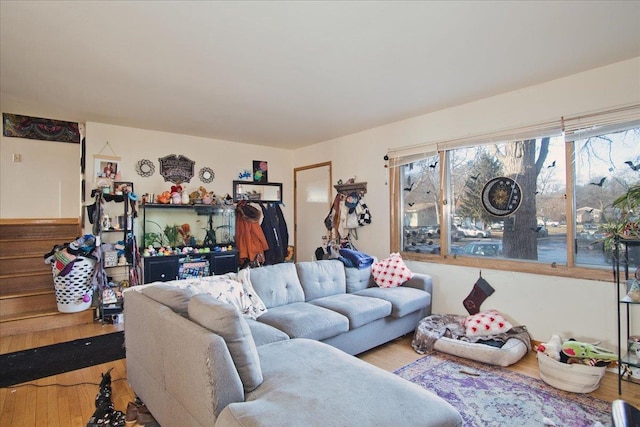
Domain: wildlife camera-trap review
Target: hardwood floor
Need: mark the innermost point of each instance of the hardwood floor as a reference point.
(62, 406)
(399, 353)
(73, 405)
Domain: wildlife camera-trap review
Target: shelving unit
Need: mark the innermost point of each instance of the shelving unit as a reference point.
(105, 310)
(621, 261)
(213, 226)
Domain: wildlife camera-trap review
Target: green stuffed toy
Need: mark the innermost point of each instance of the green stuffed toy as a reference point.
(587, 351)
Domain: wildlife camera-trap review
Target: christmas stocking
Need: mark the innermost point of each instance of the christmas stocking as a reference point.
(481, 290)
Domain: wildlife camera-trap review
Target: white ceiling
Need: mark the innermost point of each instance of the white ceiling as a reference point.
(290, 74)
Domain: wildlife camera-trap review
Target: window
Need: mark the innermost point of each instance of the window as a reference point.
(508, 194)
(606, 165)
(421, 213)
(541, 201)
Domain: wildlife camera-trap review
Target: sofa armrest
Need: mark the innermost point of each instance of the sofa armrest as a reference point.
(420, 281)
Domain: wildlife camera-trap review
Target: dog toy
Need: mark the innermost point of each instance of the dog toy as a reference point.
(551, 348)
(587, 351)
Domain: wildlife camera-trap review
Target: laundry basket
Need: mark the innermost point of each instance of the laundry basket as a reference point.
(570, 377)
(73, 291)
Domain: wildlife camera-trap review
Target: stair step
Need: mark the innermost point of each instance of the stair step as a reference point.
(42, 320)
(27, 302)
(26, 282)
(28, 293)
(27, 296)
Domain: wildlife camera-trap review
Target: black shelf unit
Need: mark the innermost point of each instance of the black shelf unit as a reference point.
(168, 267)
(621, 261)
(106, 311)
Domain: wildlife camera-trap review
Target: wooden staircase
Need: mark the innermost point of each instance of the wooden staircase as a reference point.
(27, 297)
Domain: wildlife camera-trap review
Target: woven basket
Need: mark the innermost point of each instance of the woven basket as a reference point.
(72, 288)
(570, 377)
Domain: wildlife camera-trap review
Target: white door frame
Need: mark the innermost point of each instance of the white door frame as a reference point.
(295, 198)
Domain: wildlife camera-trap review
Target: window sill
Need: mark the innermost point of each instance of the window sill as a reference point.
(532, 267)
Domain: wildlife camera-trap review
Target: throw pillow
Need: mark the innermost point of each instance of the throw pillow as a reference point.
(489, 322)
(225, 288)
(258, 307)
(175, 298)
(225, 320)
(390, 272)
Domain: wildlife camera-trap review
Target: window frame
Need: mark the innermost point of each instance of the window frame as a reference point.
(629, 119)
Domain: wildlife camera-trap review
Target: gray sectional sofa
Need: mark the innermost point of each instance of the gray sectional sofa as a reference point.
(196, 361)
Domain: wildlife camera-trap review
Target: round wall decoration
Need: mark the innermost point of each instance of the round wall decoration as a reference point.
(206, 175)
(501, 196)
(145, 168)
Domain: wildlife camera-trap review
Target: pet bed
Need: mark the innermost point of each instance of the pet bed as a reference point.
(447, 334)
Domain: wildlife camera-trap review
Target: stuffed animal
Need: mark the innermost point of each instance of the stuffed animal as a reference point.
(164, 197)
(551, 348)
(583, 350)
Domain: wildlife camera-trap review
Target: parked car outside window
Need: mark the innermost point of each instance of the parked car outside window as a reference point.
(473, 231)
(492, 248)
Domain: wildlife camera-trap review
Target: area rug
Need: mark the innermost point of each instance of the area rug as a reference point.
(32, 364)
(491, 396)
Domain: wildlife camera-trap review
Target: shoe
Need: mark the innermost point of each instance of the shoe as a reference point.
(138, 414)
(132, 414)
(144, 416)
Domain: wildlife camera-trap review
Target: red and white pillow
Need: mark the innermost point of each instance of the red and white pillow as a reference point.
(489, 322)
(390, 272)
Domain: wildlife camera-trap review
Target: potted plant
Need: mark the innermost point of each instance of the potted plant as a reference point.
(625, 225)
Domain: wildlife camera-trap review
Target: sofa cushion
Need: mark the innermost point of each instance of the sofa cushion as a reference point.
(175, 298)
(321, 278)
(359, 309)
(265, 334)
(277, 284)
(305, 320)
(225, 320)
(308, 383)
(403, 300)
(358, 279)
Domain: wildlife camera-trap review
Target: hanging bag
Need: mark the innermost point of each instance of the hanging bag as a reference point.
(363, 213)
(329, 221)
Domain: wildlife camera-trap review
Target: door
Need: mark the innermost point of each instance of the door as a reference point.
(312, 199)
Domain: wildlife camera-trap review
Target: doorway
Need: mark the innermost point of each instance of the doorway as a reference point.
(311, 202)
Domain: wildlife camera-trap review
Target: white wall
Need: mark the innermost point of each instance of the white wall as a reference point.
(223, 157)
(45, 183)
(579, 308)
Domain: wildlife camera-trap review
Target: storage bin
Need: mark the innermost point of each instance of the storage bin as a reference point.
(73, 291)
(576, 378)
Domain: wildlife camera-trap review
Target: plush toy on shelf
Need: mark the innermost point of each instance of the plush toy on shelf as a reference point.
(164, 198)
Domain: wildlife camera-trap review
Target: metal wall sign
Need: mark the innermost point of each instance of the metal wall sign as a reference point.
(176, 168)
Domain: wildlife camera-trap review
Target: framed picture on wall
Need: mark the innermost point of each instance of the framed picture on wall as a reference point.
(260, 171)
(106, 167)
(122, 187)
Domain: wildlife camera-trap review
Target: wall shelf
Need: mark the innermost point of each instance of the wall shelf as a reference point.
(358, 187)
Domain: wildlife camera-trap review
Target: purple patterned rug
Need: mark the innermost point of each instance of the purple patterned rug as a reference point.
(486, 395)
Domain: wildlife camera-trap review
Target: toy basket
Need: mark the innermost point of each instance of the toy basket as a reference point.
(73, 291)
(570, 377)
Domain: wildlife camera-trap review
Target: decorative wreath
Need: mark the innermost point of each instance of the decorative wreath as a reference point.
(206, 175)
(145, 168)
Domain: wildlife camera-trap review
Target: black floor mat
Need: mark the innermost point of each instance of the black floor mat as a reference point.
(40, 362)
